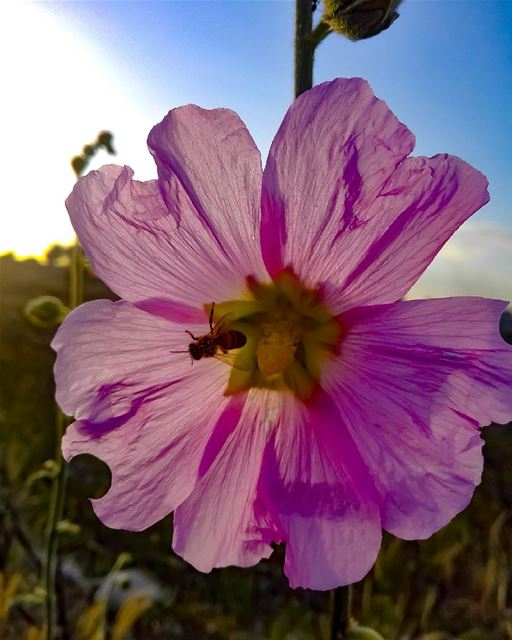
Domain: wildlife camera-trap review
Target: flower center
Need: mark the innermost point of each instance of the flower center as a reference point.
(290, 334)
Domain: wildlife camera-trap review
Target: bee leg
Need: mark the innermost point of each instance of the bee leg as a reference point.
(191, 334)
(210, 320)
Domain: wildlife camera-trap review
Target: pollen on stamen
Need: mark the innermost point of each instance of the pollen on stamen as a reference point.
(290, 336)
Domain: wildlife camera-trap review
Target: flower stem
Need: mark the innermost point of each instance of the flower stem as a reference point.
(341, 611)
(307, 40)
(58, 490)
(304, 50)
(319, 33)
(57, 498)
(76, 276)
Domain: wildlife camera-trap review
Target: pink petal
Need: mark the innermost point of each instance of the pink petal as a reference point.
(140, 408)
(210, 174)
(343, 206)
(194, 244)
(218, 524)
(414, 380)
(320, 497)
(419, 208)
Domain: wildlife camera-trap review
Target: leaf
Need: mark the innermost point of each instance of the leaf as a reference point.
(129, 612)
(90, 623)
(49, 471)
(363, 633)
(34, 633)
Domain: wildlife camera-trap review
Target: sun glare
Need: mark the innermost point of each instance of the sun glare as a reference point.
(61, 92)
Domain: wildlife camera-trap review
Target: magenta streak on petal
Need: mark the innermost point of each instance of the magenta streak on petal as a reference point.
(436, 370)
(217, 525)
(209, 172)
(272, 226)
(352, 181)
(172, 310)
(98, 425)
(335, 149)
(227, 422)
(173, 169)
(435, 197)
(320, 497)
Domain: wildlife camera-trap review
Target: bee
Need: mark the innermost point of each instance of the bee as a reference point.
(216, 344)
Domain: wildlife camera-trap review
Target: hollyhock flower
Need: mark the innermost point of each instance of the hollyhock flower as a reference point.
(333, 409)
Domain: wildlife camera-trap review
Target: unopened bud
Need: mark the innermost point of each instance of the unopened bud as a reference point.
(88, 150)
(65, 526)
(106, 139)
(359, 19)
(45, 311)
(78, 163)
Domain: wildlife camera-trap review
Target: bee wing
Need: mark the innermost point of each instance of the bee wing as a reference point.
(222, 323)
(230, 358)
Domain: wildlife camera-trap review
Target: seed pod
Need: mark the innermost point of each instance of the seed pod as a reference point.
(106, 139)
(78, 163)
(359, 19)
(45, 311)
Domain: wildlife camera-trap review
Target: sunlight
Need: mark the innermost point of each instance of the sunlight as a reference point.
(60, 94)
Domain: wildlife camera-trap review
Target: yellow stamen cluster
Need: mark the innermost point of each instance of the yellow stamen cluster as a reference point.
(290, 335)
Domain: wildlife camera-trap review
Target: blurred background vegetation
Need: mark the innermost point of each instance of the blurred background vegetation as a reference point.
(119, 585)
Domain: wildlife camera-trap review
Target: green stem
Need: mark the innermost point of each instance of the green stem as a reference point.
(58, 491)
(319, 33)
(307, 40)
(76, 276)
(119, 564)
(304, 49)
(56, 508)
(341, 612)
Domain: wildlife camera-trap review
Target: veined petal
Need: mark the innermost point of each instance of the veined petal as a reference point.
(188, 239)
(140, 408)
(343, 206)
(422, 204)
(209, 172)
(414, 380)
(219, 524)
(335, 149)
(320, 496)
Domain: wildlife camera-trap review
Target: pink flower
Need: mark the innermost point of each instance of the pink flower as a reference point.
(347, 410)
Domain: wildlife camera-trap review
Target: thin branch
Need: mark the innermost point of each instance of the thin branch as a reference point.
(342, 604)
(319, 33)
(303, 47)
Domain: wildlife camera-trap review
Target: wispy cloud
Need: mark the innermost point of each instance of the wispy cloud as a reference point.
(477, 261)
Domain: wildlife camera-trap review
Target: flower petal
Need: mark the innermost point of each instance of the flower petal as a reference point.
(419, 208)
(218, 524)
(140, 408)
(208, 160)
(414, 380)
(320, 497)
(343, 206)
(192, 236)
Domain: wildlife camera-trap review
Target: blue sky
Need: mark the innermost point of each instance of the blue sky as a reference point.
(445, 68)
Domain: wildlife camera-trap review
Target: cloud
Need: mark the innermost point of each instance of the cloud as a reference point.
(476, 261)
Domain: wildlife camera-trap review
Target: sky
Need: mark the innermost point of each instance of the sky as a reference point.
(72, 69)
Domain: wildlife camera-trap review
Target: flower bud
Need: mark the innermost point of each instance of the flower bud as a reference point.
(359, 19)
(78, 163)
(65, 526)
(45, 311)
(88, 150)
(105, 139)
